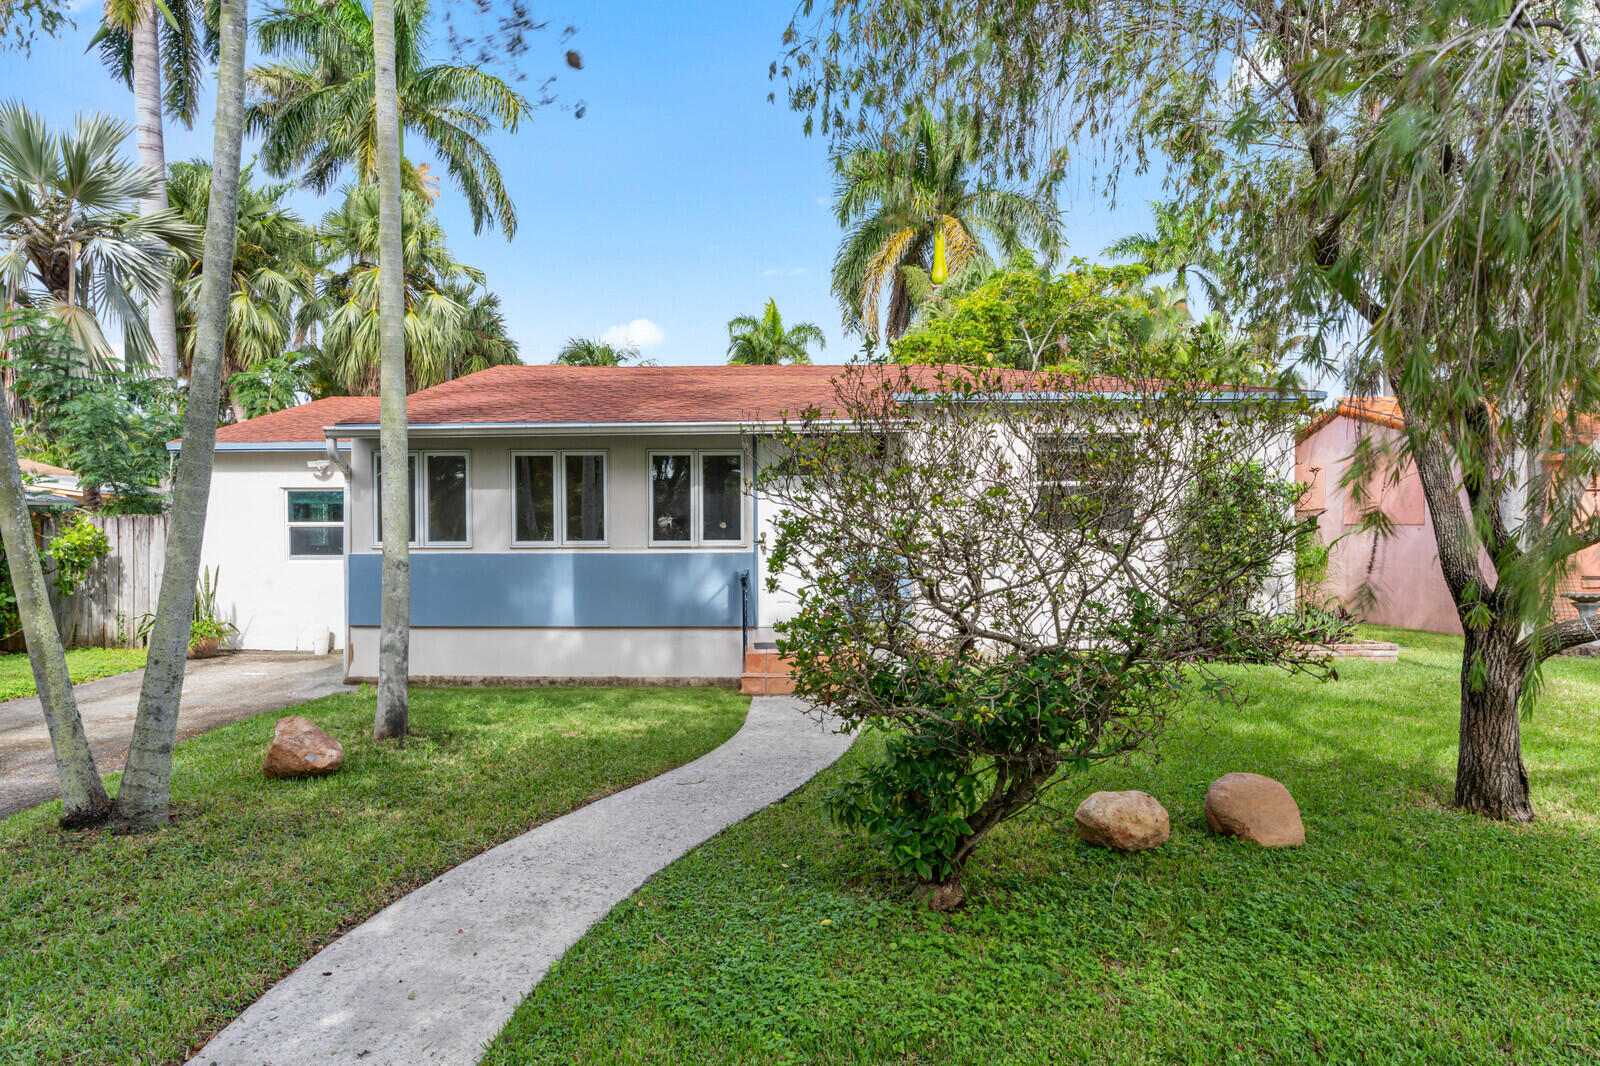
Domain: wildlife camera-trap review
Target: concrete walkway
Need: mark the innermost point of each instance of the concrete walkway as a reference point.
(216, 692)
(432, 978)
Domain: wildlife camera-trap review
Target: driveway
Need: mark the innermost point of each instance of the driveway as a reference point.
(216, 692)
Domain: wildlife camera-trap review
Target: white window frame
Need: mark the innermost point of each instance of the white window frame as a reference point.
(697, 498)
(560, 460)
(290, 524)
(420, 488)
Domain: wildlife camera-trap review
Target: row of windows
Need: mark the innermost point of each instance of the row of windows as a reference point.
(557, 498)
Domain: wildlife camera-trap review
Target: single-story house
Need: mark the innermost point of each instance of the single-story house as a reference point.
(1392, 579)
(568, 522)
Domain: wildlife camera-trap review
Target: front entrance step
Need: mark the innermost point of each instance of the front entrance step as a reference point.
(766, 673)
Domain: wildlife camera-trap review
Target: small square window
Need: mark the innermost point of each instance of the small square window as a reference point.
(316, 523)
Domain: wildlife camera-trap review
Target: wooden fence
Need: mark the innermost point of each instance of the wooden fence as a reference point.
(121, 588)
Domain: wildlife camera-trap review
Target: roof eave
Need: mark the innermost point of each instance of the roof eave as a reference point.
(557, 429)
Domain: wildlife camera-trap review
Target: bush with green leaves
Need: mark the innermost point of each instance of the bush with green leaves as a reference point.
(984, 570)
(72, 552)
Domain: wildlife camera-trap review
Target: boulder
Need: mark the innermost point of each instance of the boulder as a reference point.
(1126, 821)
(301, 749)
(1254, 808)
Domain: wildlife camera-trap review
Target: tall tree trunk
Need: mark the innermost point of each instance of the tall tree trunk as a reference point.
(81, 789)
(147, 104)
(394, 637)
(1490, 777)
(145, 795)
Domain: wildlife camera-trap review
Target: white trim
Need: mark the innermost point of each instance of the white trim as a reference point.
(422, 499)
(696, 539)
(555, 498)
(585, 429)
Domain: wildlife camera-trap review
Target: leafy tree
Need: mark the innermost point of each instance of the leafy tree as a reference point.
(766, 341)
(137, 40)
(911, 203)
(440, 300)
(272, 384)
(144, 799)
(111, 428)
(274, 303)
(591, 351)
(1180, 245)
(29, 335)
(991, 585)
(1423, 176)
(1089, 319)
(71, 238)
(316, 108)
(23, 21)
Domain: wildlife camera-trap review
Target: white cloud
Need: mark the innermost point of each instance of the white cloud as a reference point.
(777, 272)
(797, 271)
(822, 201)
(641, 333)
(771, 272)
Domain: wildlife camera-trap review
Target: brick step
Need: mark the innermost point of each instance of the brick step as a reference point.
(756, 684)
(760, 661)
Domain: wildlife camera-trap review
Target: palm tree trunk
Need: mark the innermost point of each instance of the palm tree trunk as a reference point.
(394, 636)
(145, 795)
(81, 790)
(146, 42)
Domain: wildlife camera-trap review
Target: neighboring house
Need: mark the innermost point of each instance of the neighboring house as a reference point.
(567, 522)
(1392, 579)
(275, 526)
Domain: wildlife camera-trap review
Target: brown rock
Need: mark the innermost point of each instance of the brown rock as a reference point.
(301, 749)
(1254, 808)
(1126, 821)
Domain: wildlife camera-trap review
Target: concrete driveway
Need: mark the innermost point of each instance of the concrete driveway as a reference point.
(216, 692)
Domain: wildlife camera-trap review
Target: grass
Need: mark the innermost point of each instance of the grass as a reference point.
(1402, 932)
(129, 949)
(84, 664)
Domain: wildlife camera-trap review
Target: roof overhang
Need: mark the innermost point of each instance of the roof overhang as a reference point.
(565, 429)
(265, 446)
(1221, 396)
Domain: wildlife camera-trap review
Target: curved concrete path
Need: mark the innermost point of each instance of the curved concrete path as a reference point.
(433, 977)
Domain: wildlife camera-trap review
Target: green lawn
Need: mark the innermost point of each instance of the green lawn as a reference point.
(84, 664)
(129, 949)
(1402, 932)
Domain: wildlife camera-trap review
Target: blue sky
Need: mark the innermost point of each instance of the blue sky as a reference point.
(680, 199)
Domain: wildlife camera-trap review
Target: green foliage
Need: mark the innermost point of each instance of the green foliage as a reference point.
(272, 384)
(917, 211)
(591, 351)
(1012, 592)
(83, 664)
(1088, 319)
(258, 873)
(766, 341)
(75, 549)
(110, 428)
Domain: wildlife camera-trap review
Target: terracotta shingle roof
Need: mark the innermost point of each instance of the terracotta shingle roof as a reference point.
(300, 425)
(572, 395)
(569, 395)
(1375, 410)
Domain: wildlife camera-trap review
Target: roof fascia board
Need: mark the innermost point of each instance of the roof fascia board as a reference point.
(566, 429)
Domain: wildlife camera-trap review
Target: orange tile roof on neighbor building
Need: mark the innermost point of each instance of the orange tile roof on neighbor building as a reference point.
(1375, 410)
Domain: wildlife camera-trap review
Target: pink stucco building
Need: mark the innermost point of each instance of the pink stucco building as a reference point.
(1404, 584)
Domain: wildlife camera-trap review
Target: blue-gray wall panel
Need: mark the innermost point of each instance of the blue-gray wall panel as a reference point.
(544, 589)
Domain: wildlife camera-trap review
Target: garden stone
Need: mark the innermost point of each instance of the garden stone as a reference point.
(301, 749)
(1123, 821)
(1254, 808)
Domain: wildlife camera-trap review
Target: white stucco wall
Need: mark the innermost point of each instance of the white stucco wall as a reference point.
(472, 653)
(278, 603)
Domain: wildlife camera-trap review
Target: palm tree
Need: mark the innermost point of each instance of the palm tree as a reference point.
(436, 317)
(765, 341)
(71, 238)
(911, 203)
(591, 351)
(1181, 245)
(316, 108)
(138, 39)
(275, 272)
(484, 340)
